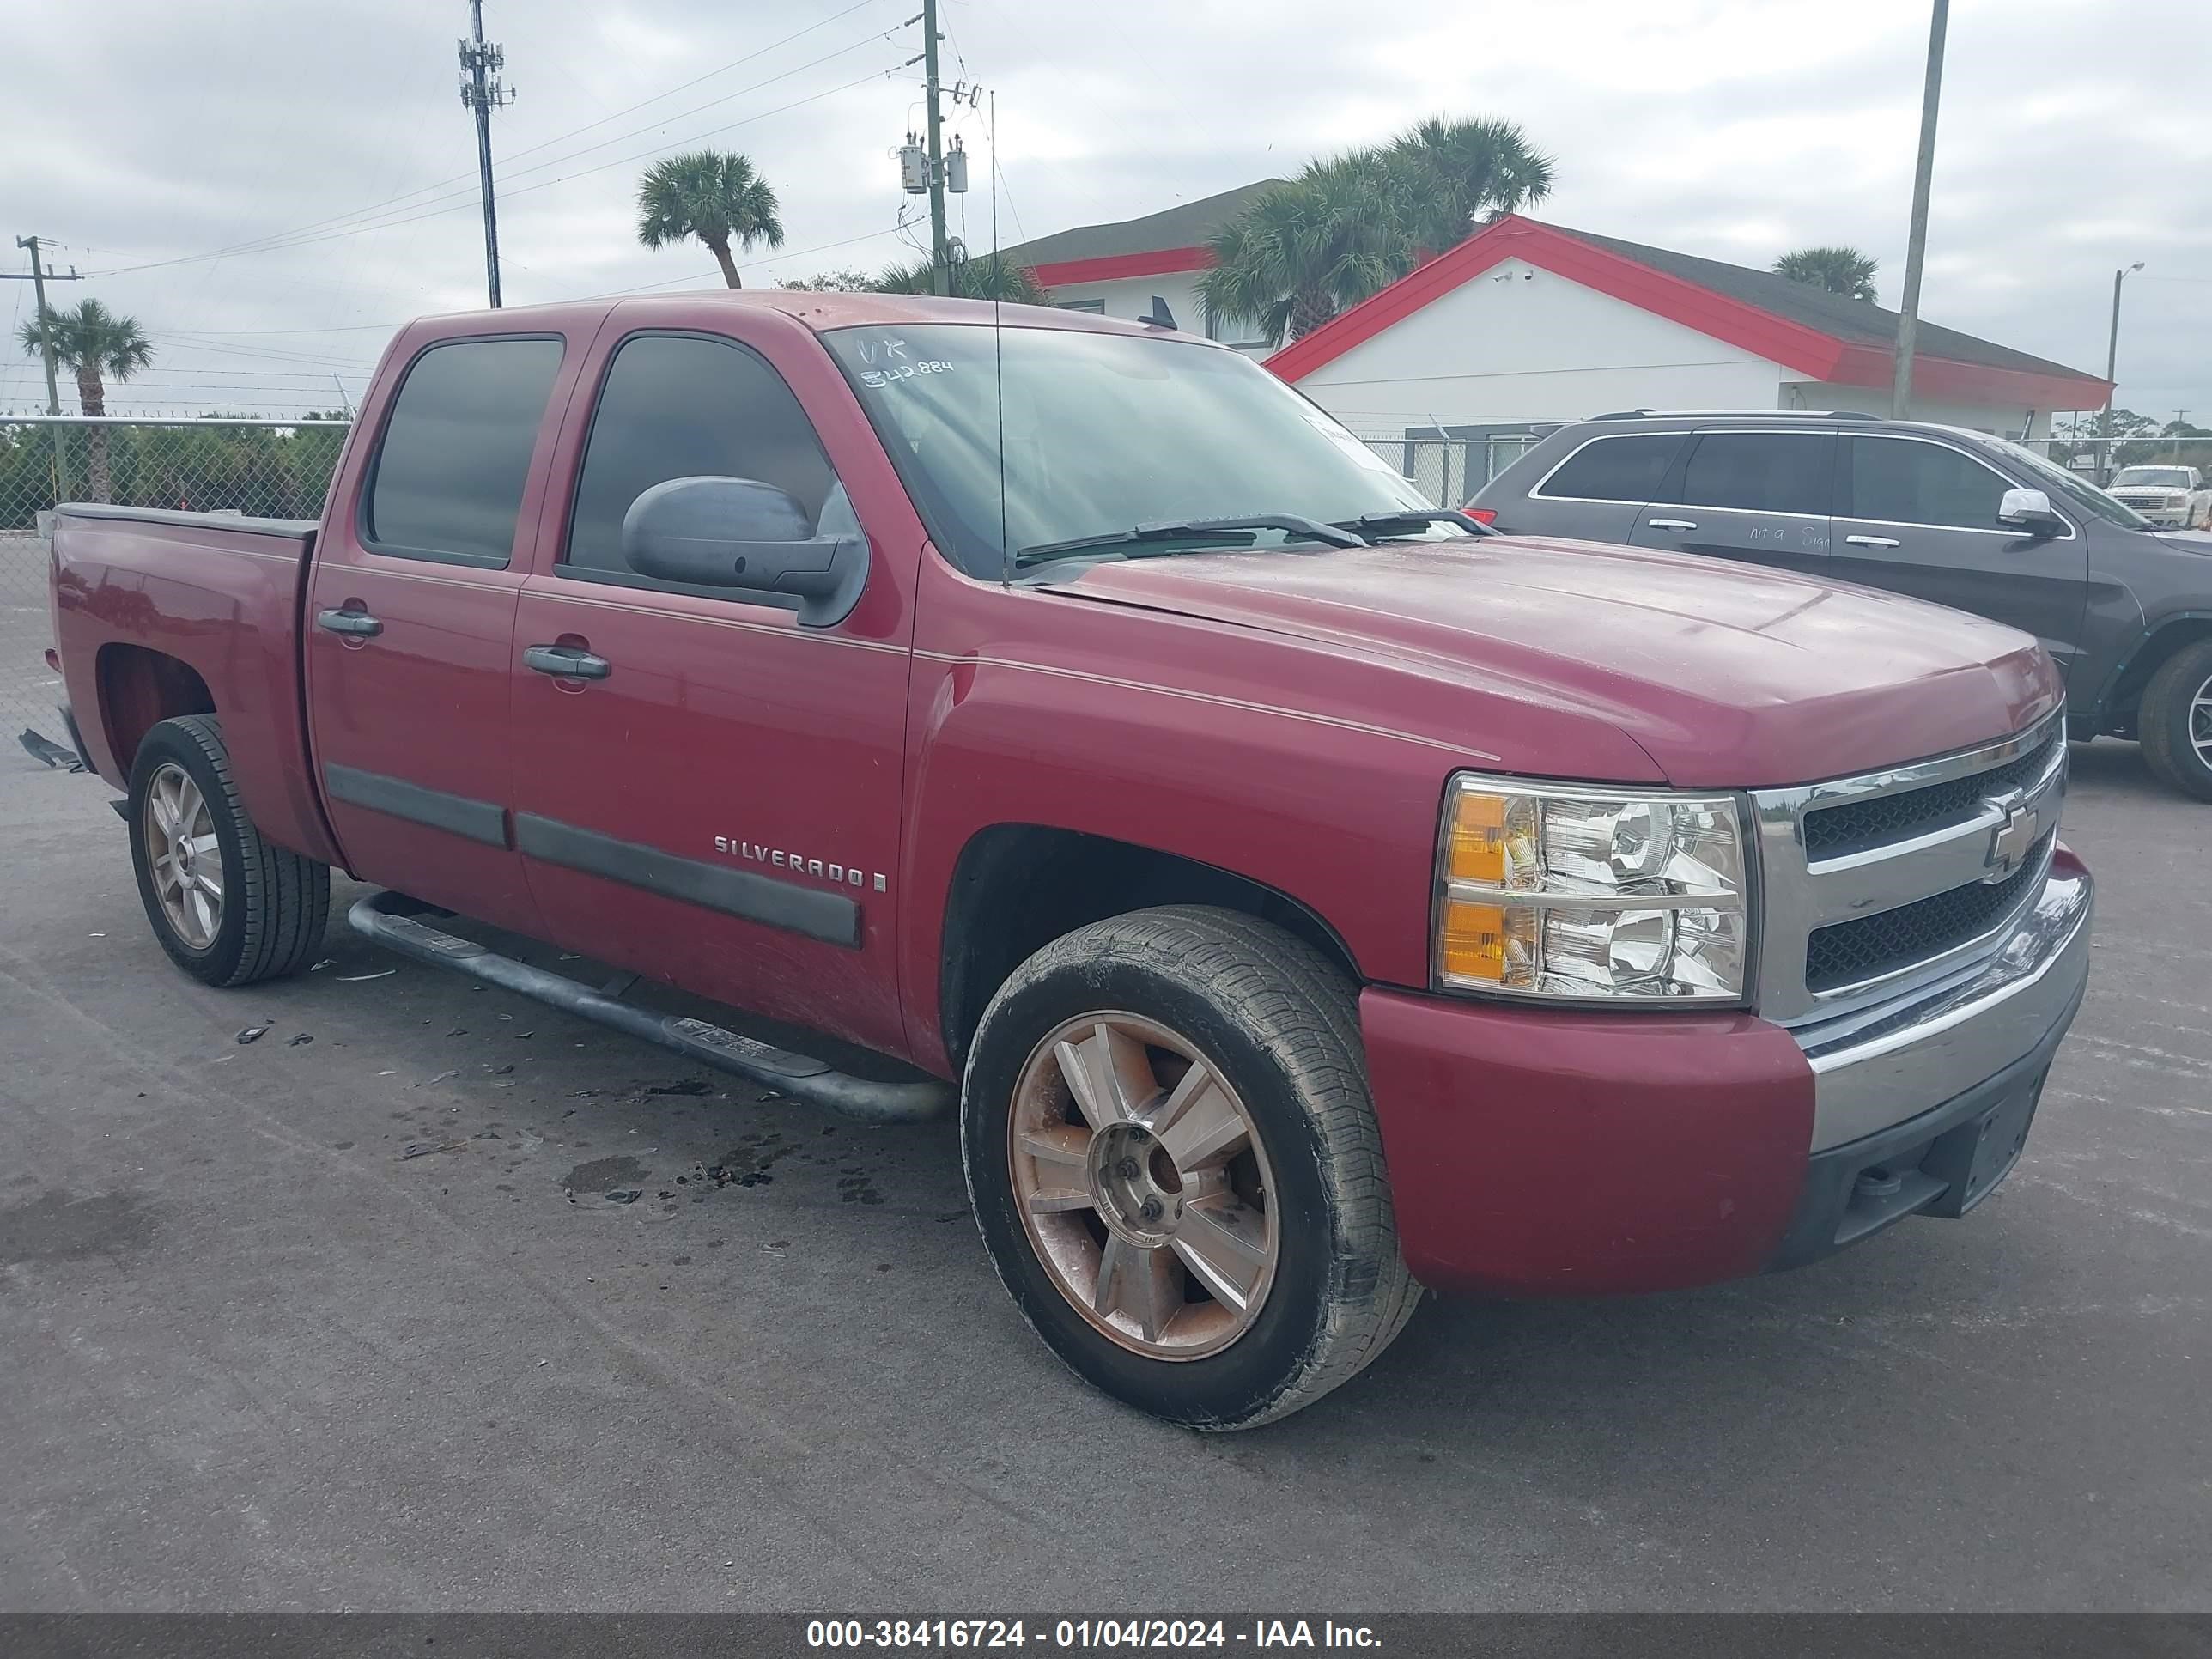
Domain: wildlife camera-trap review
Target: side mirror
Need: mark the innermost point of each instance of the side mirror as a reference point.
(744, 534)
(2030, 510)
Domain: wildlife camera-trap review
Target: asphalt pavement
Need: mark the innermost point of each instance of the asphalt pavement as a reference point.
(345, 1317)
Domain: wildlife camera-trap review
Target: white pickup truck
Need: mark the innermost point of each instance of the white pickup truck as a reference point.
(2173, 495)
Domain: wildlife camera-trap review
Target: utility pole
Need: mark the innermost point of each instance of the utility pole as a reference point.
(2111, 379)
(1915, 250)
(482, 92)
(39, 277)
(940, 262)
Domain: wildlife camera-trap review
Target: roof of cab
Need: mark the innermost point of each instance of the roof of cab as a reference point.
(819, 311)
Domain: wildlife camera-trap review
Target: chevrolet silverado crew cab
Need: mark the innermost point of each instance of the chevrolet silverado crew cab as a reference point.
(1303, 896)
(1935, 512)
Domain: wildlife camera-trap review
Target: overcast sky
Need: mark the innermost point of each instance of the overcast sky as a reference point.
(2076, 137)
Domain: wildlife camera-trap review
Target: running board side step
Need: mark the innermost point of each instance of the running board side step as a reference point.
(800, 1077)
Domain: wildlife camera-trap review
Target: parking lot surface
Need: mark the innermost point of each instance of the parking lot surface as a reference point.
(347, 1317)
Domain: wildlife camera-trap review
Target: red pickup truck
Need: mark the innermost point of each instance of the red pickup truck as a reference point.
(1303, 896)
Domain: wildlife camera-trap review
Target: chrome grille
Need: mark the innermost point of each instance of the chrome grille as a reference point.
(1877, 884)
(1875, 820)
(1848, 952)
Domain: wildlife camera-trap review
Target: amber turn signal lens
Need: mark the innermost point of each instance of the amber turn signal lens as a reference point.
(1474, 941)
(1477, 850)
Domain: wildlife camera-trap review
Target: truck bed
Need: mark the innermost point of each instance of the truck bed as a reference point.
(147, 601)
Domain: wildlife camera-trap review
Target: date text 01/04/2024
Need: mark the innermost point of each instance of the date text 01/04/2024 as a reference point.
(1084, 1634)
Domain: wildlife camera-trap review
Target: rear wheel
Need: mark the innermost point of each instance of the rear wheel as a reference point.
(228, 907)
(2176, 721)
(1174, 1164)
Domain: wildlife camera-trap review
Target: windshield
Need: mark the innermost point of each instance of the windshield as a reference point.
(2071, 487)
(1103, 433)
(2152, 477)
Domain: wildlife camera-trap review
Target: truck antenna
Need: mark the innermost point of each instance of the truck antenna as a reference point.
(999, 350)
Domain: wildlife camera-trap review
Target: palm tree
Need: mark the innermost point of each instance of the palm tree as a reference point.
(991, 278)
(1844, 270)
(1345, 227)
(1306, 249)
(714, 195)
(1450, 171)
(90, 341)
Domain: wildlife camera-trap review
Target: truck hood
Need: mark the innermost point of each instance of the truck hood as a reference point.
(1726, 675)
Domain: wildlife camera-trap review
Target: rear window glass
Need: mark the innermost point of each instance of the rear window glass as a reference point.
(1629, 468)
(1897, 481)
(1760, 471)
(456, 450)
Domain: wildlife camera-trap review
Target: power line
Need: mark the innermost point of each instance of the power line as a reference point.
(375, 219)
(545, 184)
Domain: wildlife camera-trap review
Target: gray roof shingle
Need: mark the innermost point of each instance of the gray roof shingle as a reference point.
(1857, 320)
(1188, 224)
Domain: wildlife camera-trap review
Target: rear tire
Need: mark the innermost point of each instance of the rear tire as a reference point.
(260, 911)
(1222, 1254)
(2175, 723)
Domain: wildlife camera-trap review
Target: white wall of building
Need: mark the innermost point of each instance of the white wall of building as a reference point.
(1519, 343)
(1131, 297)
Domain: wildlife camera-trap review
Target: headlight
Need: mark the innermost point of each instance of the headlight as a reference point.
(1570, 893)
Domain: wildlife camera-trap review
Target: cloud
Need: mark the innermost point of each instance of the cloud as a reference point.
(324, 145)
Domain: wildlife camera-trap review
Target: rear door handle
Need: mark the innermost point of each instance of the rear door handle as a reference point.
(566, 662)
(358, 623)
(1670, 524)
(1871, 541)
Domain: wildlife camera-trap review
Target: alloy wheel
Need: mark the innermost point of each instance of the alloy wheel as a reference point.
(2200, 724)
(1144, 1187)
(185, 857)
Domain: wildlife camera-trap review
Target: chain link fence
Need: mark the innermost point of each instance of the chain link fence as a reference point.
(257, 468)
(1448, 467)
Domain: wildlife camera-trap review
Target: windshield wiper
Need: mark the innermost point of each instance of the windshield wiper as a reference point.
(1414, 518)
(1207, 532)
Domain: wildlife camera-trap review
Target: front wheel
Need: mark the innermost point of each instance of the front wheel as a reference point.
(1174, 1163)
(227, 906)
(2175, 722)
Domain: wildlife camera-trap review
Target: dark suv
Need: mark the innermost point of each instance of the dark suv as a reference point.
(1936, 512)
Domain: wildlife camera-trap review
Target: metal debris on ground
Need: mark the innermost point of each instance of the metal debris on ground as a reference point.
(299, 1039)
(45, 749)
(626, 1197)
(355, 979)
(253, 1034)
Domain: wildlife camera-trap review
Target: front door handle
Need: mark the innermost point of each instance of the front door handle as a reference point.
(1871, 541)
(1670, 524)
(566, 662)
(359, 624)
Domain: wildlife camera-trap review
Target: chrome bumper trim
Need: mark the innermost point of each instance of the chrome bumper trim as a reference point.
(1879, 1066)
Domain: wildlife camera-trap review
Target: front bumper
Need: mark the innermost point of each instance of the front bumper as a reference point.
(1549, 1152)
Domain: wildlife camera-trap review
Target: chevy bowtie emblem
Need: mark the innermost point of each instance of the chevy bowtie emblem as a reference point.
(2010, 841)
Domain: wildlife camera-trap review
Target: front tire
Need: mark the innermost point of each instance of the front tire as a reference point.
(1174, 1161)
(228, 907)
(2176, 721)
